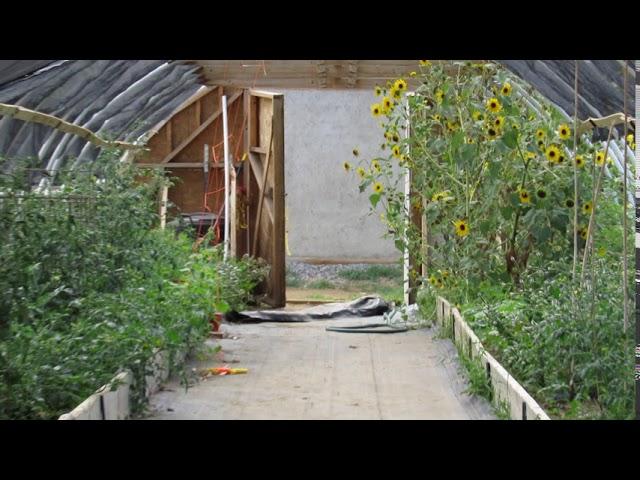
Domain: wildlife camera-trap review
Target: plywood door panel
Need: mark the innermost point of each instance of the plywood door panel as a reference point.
(265, 147)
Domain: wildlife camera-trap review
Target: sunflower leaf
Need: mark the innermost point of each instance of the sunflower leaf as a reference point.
(374, 199)
(510, 139)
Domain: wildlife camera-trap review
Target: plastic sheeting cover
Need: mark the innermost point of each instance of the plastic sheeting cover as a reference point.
(368, 306)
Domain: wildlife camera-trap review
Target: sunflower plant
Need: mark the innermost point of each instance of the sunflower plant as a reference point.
(492, 167)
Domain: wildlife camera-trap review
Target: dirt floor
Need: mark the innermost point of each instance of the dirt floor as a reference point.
(301, 371)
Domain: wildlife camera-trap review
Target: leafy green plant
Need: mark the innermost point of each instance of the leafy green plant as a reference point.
(321, 284)
(372, 272)
(88, 286)
(492, 172)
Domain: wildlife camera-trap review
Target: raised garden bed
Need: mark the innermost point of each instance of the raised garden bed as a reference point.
(504, 387)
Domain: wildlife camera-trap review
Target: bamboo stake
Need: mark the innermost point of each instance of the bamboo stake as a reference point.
(596, 191)
(27, 115)
(575, 175)
(625, 273)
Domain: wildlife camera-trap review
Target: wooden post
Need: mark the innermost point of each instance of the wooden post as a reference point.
(233, 244)
(278, 267)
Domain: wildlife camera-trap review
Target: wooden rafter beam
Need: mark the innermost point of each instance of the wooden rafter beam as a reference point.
(352, 76)
(28, 115)
(187, 141)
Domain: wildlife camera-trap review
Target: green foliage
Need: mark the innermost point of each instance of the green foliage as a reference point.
(493, 176)
(321, 284)
(372, 272)
(88, 287)
(477, 375)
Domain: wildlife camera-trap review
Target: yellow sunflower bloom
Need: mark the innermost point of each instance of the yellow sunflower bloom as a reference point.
(540, 134)
(378, 91)
(395, 93)
(541, 145)
(530, 155)
(445, 195)
(346, 166)
(630, 138)
(524, 196)
(579, 161)
(356, 152)
(587, 207)
(375, 166)
(506, 89)
(439, 96)
(361, 172)
(395, 137)
(583, 232)
(396, 151)
(493, 105)
(462, 229)
(564, 132)
(433, 280)
(387, 103)
(425, 63)
(499, 122)
(436, 117)
(492, 132)
(600, 159)
(400, 84)
(412, 74)
(377, 187)
(477, 116)
(376, 109)
(553, 154)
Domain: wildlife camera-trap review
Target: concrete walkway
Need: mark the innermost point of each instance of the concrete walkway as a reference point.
(301, 371)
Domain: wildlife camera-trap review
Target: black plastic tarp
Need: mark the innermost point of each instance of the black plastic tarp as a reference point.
(368, 306)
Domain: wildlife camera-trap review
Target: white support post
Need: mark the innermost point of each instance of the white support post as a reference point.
(225, 133)
(163, 207)
(407, 209)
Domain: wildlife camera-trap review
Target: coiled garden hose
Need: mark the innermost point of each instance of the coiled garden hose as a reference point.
(369, 328)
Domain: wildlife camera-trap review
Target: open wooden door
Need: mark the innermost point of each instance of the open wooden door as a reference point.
(264, 181)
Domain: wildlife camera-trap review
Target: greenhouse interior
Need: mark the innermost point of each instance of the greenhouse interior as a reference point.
(318, 240)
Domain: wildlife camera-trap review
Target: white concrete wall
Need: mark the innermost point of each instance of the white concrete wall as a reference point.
(327, 216)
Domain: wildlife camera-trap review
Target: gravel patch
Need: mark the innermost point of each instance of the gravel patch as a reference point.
(307, 272)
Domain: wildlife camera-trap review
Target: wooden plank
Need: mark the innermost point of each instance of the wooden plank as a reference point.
(263, 184)
(264, 94)
(198, 130)
(247, 169)
(182, 165)
(233, 223)
(278, 270)
(259, 150)
(169, 132)
(257, 168)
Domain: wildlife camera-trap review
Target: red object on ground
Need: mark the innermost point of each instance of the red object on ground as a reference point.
(215, 322)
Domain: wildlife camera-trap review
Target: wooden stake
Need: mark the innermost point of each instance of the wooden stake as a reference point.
(625, 273)
(596, 191)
